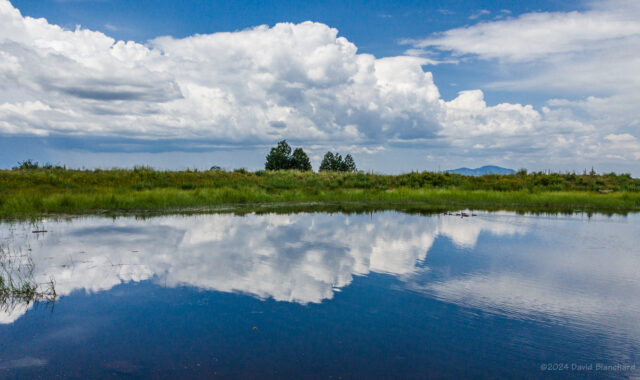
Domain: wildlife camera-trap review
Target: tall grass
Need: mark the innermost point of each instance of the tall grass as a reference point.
(35, 191)
(17, 285)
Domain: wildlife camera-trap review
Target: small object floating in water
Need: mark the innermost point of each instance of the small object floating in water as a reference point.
(464, 215)
(474, 214)
(255, 328)
(39, 231)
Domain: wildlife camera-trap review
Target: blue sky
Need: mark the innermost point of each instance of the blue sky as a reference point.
(403, 86)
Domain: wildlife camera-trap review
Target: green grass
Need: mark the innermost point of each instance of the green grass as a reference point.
(24, 293)
(17, 285)
(37, 191)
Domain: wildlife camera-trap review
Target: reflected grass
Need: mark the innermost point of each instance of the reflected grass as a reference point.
(17, 284)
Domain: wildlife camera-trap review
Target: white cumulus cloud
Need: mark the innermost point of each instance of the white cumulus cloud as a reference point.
(259, 84)
(587, 62)
(304, 82)
(299, 81)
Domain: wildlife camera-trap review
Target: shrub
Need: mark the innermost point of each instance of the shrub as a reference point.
(27, 165)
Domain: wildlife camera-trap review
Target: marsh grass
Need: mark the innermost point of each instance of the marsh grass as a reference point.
(17, 283)
(31, 192)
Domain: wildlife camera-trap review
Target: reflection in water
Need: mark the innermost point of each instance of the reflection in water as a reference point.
(22, 363)
(560, 268)
(18, 287)
(387, 295)
(298, 258)
(571, 271)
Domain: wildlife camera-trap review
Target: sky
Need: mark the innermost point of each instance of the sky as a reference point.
(401, 85)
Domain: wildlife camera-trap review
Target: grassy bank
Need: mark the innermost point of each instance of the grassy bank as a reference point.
(31, 192)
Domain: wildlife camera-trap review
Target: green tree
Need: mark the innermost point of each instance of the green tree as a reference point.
(349, 164)
(334, 162)
(337, 164)
(300, 160)
(327, 163)
(280, 158)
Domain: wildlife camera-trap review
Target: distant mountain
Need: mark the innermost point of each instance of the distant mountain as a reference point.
(482, 171)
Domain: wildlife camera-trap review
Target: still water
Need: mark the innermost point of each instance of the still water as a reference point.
(381, 295)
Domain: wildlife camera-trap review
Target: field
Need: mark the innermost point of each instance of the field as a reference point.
(38, 191)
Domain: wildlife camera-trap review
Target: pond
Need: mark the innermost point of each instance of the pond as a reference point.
(324, 295)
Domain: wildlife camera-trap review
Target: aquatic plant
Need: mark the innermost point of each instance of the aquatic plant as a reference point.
(17, 283)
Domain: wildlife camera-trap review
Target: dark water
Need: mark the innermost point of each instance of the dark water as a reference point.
(386, 295)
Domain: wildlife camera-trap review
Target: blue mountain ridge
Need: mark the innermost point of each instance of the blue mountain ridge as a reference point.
(489, 169)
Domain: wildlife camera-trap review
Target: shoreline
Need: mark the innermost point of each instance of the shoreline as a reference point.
(25, 194)
(426, 202)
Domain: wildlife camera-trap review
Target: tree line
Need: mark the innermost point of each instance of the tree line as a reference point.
(281, 158)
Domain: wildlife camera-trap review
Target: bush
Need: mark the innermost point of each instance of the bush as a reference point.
(27, 165)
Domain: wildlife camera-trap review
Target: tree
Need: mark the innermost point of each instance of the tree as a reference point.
(349, 164)
(337, 165)
(327, 162)
(333, 162)
(280, 158)
(300, 160)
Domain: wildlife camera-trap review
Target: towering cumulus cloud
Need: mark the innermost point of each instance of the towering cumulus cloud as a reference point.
(255, 85)
(304, 82)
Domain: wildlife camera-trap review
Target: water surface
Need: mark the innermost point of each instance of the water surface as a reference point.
(381, 295)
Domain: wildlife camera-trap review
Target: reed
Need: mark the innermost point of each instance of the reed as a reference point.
(17, 283)
(37, 191)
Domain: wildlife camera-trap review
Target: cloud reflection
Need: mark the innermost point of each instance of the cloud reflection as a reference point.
(568, 270)
(303, 258)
